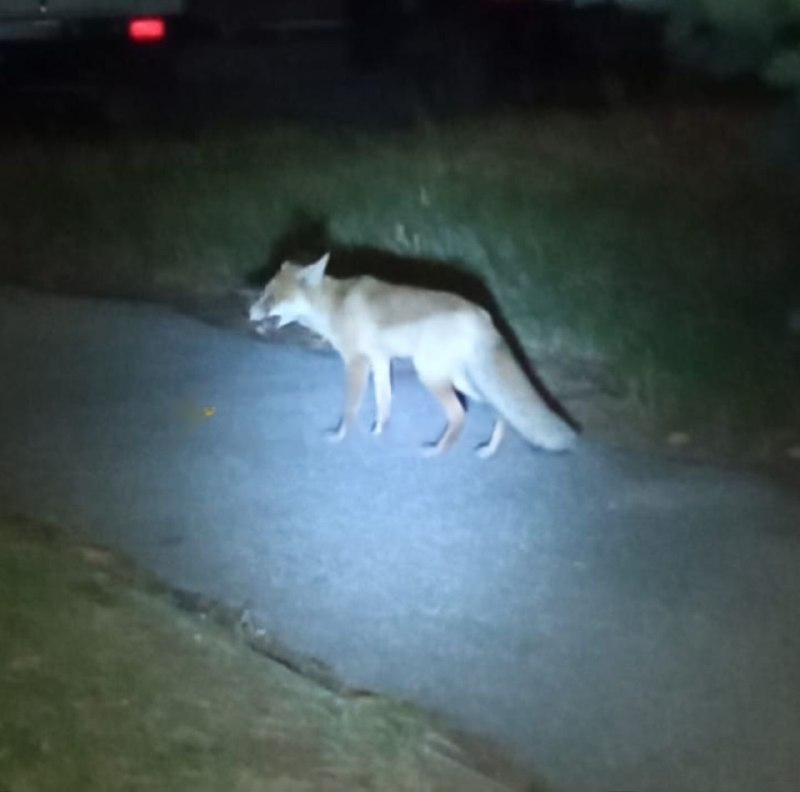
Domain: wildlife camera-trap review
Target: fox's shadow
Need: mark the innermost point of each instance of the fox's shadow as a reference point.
(307, 239)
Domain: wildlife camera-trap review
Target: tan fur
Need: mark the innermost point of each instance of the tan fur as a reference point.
(452, 343)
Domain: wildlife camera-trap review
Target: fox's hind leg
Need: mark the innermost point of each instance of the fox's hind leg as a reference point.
(488, 449)
(443, 393)
(357, 374)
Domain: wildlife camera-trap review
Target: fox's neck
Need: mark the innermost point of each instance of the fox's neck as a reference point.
(322, 304)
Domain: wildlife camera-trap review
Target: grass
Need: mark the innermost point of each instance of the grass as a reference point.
(106, 687)
(653, 241)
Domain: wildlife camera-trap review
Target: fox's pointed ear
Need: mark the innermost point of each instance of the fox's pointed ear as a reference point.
(314, 273)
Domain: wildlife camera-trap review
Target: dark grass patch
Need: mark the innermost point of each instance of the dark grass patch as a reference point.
(654, 241)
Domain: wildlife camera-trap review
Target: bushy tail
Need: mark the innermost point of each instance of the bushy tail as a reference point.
(503, 384)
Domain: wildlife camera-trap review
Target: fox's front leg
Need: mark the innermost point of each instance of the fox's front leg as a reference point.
(357, 371)
(382, 382)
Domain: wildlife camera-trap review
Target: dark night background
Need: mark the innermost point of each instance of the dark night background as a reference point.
(618, 183)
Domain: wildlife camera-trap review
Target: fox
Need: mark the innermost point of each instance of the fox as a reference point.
(452, 342)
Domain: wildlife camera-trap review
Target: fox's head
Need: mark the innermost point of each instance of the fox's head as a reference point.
(286, 296)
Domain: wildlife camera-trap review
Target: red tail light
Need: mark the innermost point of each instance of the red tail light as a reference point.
(147, 30)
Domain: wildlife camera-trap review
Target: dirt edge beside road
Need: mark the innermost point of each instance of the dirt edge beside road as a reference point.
(107, 686)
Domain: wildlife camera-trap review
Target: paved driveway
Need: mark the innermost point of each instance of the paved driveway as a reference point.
(616, 621)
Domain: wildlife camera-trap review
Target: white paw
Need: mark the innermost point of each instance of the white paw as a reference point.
(336, 435)
(485, 451)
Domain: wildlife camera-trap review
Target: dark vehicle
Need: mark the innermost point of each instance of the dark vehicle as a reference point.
(104, 50)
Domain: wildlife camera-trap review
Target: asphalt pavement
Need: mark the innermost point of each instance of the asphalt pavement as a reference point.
(614, 620)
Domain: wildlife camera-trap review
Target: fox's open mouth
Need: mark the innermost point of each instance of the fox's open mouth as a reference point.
(264, 324)
(274, 322)
(265, 320)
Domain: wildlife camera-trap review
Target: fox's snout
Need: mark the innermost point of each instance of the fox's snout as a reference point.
(259, 310)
